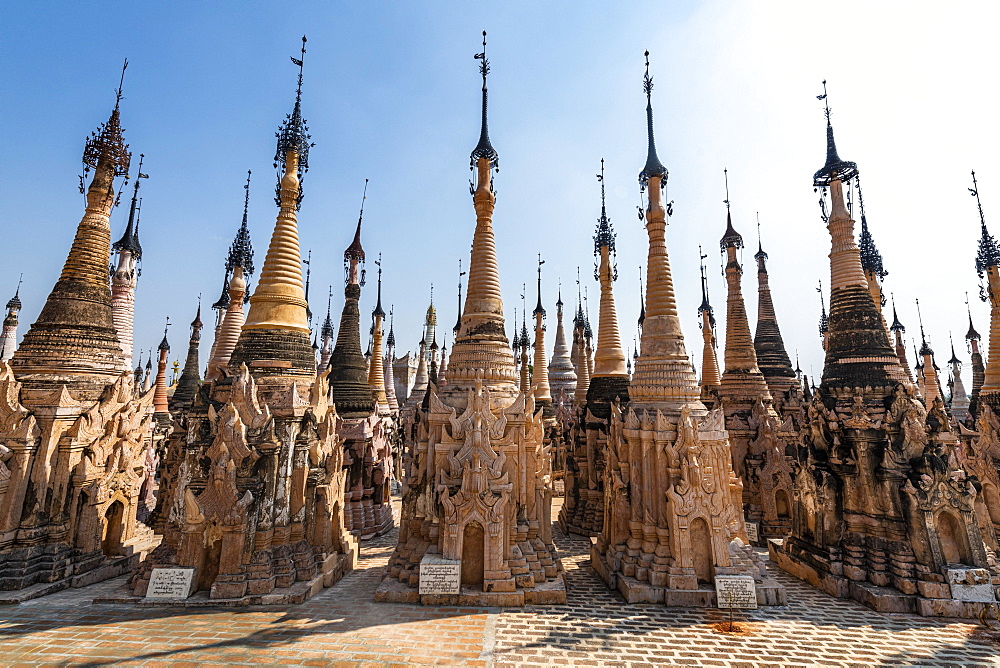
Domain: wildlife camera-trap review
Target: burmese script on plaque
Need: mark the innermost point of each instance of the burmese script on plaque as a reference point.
(439, 575)
(170, 583)
(736, 592)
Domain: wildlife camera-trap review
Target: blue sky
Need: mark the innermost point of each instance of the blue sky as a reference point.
(392, 95)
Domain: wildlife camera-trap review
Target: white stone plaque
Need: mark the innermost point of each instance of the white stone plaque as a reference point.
(439, 575)
(170, 583)
(736, 591)
(970, 584)
(752, 531)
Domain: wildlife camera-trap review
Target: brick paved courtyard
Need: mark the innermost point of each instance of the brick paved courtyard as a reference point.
(342, 626)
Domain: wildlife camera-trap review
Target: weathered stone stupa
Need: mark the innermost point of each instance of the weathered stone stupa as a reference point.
(365, 433)
(125, 275)
(477, 491)
(73, 435)
(253, 490)
(673, 519)
(583, 509)
(8, 336)
(884, 510)
(757, 435)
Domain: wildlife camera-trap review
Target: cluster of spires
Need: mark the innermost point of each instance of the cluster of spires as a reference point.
(108, 155)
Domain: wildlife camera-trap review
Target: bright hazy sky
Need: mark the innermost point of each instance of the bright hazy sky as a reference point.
(392, 94)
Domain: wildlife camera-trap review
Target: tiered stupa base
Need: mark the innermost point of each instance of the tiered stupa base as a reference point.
(901, 588)
(285, 575)
(641, 576)
(534, 575)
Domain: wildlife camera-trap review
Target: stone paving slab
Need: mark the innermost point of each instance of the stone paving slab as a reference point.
(342, 626)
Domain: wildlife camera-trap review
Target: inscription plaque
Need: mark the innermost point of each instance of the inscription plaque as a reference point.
(970, 584)
(753, 531)
(170, 583)
(736, 592)
(439, 575)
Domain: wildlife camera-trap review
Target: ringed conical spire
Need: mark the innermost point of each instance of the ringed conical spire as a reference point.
(349, 380)
(610, 377)
(772, 358)
(275, 337)
(481, 348)
(858, 353)
(190, 380)
(663, 376)
(75, 332)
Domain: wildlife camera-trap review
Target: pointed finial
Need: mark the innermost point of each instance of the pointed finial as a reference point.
(954, 358)
(605, 235)
(706, 306)
(241, 250)
(308, 263)
(107, 145)
(642, 302)
(826, 102)
(293, 135)
(15, 301)
(484, 149)
(871, 259)
(539, 309)
(121, 84)
(163, 344)
(989, 250)
(896, 324)
(653, 165)
(731, 238)
(835, 169)
(458, 321)
(924, 348)
(760, 255)
(355, 254)
(246, 197)
(824, 320)
(130, 239)
(725, 175)
(378, 312)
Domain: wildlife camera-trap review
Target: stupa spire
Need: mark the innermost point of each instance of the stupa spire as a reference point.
(772, 358)
(663, 376)
(932, 384)
(376, 371)
(390, 381)
(987, 261)
(75, 331)
(897, 330)
(458, 321)
(653, 167)
(349, 380)
(125, 276)
(543, 392)
(277, 328)
(562, 376)
(610, 378)
(972, 339)
(326, 334)
(858, 353)
(161, 410)
(8, 337)
(190, 380)
(239, 267)
(742, 377)
(481, 348)
(711, 379)
(484, 149)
